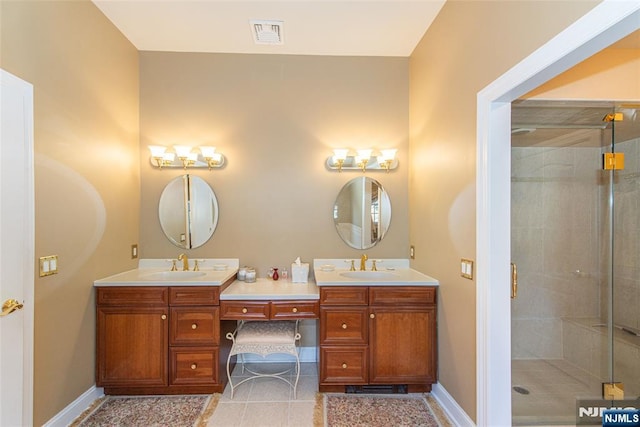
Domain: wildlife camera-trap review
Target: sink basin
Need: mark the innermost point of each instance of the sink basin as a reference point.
(174, 275)
(368, 275)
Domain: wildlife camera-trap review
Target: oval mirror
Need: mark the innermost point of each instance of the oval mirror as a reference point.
(188, 211)
(362, 213)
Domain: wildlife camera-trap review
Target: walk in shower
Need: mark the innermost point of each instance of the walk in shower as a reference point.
(575, 245)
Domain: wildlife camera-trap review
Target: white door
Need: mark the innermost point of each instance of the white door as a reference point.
(16, 251)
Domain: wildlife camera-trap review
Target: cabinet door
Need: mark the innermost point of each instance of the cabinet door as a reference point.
(402, 344)
(132, 346)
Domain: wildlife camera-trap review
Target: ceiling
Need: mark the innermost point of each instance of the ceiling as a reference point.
(351, 28)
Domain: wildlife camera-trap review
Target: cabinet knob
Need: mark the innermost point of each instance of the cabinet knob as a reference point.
(344, 326)
(295, 310)
(244, 310)
(372, 315)
(163, 317)
(194, 326)
(194, 366)
(344, 366)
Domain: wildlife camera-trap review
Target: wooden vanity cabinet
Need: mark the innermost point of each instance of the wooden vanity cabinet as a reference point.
(377, 335)
(160, 339)
(269, 310)
(132, 337)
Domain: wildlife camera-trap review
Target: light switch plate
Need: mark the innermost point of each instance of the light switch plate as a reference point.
(466, 268)
(48, 265)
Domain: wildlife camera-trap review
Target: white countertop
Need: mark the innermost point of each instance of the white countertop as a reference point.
(267, 289)
(396, 272)
(156, 273)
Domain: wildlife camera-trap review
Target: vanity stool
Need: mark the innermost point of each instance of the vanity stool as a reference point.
(265, 338)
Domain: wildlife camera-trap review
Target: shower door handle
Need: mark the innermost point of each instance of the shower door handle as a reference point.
(514, 280)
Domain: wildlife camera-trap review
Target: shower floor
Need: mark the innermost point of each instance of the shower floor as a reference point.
(553, 386)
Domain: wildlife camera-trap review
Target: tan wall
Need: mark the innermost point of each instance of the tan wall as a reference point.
(469, 45)
(276, 119)
(612, 74)
(85, 78)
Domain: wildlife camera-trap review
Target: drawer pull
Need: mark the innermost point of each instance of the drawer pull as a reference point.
(344, 366)
(372, 315)
(344, 326)
(244, 310)
(194, 326)
(295, 310)
(194, 366)
(163, 317)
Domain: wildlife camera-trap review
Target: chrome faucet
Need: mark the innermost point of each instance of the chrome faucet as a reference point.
(185, 262)
(363, 260)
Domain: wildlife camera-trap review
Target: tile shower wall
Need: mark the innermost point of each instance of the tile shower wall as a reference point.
(555, 241)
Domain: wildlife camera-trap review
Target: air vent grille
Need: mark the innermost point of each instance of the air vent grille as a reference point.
(267, 32)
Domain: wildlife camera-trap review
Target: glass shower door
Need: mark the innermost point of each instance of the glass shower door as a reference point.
(622, 300)
(575, 272)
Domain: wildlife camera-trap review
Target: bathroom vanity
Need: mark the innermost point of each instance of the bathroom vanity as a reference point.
(162, 332)
(377, 329)
(158, 331)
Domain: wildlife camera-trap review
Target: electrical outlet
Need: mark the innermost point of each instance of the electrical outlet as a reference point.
(412, 252)
(134, 251)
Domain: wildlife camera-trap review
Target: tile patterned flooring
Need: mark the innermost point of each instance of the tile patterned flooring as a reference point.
(268, 402)
(554, 386)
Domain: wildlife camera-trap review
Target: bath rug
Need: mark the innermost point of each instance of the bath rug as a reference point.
(350, 410)
(149, 411)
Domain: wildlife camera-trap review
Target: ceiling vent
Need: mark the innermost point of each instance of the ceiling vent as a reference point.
(267, 32)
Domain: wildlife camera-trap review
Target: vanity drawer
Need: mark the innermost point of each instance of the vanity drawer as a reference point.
(132, 295)
(347, 325)
(344, 295)
(244, 310)
(412, 295)
(194, 365)
(343, 365)
(194, 295)
(194, 326)
(294, 310)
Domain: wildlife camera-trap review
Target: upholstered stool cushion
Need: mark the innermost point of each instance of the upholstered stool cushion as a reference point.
(276, 332)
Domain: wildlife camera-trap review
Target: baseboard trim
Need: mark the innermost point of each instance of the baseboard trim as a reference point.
(75, 408)
(456, 414)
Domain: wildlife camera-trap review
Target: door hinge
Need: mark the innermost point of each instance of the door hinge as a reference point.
(613, 391)
(613, 161)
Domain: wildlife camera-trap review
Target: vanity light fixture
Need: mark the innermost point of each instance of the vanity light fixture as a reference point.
(386, 157)
(339, 156)
(184, 156)
(209, 154)
(363, 160)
